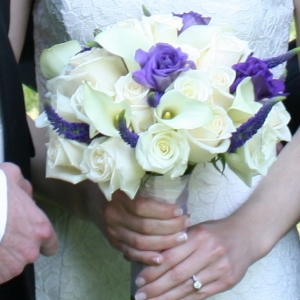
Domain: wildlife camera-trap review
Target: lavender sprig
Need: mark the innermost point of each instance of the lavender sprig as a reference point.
(129, 137)
(70, 130)
(250, 127)
(280, 59)
(154, 98)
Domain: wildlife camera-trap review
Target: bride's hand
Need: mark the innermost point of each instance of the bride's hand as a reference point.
(141, 228)
(218, 253)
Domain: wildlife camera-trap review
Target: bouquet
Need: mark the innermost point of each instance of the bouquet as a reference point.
(157, 96)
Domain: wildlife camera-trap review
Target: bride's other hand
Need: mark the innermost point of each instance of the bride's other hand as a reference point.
(218, 253)
(141, 228)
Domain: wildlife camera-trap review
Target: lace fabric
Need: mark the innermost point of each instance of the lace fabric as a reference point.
(265, 24)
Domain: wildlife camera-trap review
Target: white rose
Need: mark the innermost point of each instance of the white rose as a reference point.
(161, 28)
(208, 141)
(199, 36)
(255, 156)
(102, 73)
(221, 79)
(226, 49)
(195, 85)
(63, 159)
(163, 150)
(76, 104)
(278, 119)
(61, 104)
(112, 164)
(127, 89)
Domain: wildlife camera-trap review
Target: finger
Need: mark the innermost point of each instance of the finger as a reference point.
(178, 274)
(149, 242)
(150, 258)
(149, 208)
(187, 290)
(26, 186)
(172, 257)
(116, 216)
(210, 289)
(49, 244)
(148, 226)
(169, 280)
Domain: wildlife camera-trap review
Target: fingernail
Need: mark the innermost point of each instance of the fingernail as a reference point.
(188, 223)
(181, 237)
(140, 296)
(178, 212)
(157, 260)
(140, 281)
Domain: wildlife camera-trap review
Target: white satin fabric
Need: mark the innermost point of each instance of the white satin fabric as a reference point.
(86, 267)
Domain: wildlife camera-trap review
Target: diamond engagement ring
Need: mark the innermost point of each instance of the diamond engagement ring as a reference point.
(197, 284)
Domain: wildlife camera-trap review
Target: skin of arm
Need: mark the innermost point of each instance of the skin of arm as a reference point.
(221, 251)
(19, 13)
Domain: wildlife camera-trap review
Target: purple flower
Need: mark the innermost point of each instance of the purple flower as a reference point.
(264, 84)
(129, 137)
(160, 66)
(250, 127)
(70, 130)
(191, 19)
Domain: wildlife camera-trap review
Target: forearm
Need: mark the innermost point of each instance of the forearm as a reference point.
(274, 207)
(19, 13)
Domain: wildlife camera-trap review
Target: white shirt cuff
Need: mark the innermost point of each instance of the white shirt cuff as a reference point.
(3, 203)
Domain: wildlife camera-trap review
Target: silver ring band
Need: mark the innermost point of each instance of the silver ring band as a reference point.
(197, 284)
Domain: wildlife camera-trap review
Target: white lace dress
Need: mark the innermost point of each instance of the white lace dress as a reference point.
(86, 267)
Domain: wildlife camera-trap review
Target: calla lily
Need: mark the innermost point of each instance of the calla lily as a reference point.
(124, 42)
(180, 112)
(102, 111)
(244, 106)
(222, 98)
(54, 59)
(198, 36)
(162, 28)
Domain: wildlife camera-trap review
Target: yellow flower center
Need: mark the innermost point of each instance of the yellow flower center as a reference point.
(167, 115)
